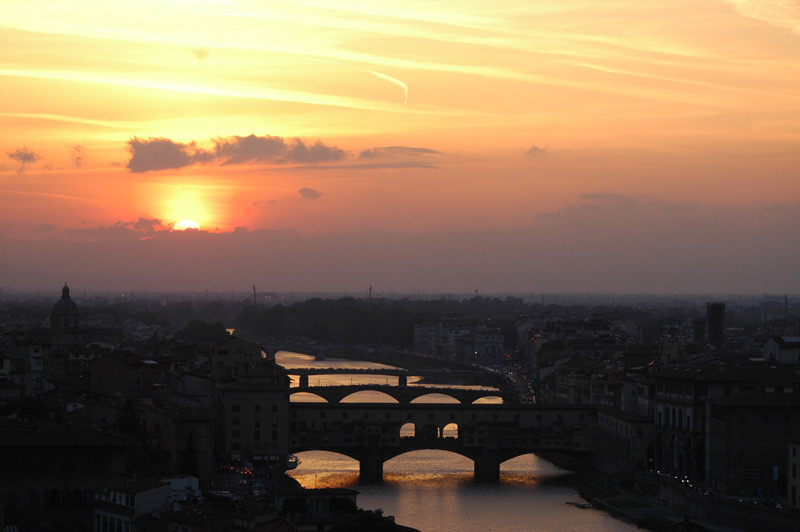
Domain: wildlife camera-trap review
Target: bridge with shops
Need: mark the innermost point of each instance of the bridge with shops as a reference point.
(488, 434)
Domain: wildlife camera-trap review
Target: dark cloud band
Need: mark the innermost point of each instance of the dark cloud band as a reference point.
(161, 153)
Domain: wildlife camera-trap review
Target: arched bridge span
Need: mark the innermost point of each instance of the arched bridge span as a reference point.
(487, 434)
(401, 394)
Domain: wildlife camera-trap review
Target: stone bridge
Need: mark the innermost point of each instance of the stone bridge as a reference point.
(401, 394)
(488, 434)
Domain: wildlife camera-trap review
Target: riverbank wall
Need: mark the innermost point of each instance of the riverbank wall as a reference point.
(726, 512)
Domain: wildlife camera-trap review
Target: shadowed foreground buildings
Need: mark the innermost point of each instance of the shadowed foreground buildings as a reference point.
(49, 475)
(720, 417)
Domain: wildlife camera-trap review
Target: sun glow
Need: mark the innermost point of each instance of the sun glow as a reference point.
(185, 206)
(186, 224)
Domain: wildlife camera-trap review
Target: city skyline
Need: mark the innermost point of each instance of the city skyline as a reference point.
(497, 146)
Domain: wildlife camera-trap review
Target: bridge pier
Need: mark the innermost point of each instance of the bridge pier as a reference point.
(402, 380)
(370, 467)
(487, 467)
(304, 380)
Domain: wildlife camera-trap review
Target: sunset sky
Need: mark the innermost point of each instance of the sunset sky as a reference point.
(415, 146)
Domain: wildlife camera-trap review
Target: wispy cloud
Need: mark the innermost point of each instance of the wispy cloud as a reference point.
(77, 156)
(779, 13)
(395, 151)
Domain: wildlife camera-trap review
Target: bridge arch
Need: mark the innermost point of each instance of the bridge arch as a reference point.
(491, 399)
(373, 396)
(435, 397)
(306, 397)
(408, 430)
(451, 430)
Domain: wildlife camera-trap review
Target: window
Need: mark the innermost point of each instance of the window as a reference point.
(257, 408)
(235, 434)
(235, 421)
(235, 408)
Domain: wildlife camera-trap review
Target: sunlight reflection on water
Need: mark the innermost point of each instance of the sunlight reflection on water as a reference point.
(434, 490)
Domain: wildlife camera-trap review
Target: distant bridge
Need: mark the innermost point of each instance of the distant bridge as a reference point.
(396, 372)
(401, 394)
(488, 434)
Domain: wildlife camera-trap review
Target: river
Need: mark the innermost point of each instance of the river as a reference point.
(433, 491)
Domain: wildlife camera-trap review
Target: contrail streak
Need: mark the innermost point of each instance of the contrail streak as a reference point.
(392, 80)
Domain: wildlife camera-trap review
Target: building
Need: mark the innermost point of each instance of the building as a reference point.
(783, 349)
(715, 322)
(48, 474)
(682, 409)
(793, 478)
(66, 330)
(115, 509)
(456, 338)
(624, 441)
(179, 431)
(118, 509)
(23, 363)
(234, 354)
(253, 417)
(65, 314)
(750, 434)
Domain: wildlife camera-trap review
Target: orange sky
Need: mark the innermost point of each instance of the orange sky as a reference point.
(405, 117)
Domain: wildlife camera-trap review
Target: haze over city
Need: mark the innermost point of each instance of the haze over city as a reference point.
(502, 146)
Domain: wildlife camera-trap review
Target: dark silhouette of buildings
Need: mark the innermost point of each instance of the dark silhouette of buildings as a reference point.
(715, 320)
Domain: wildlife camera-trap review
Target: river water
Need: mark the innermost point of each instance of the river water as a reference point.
(433, 491)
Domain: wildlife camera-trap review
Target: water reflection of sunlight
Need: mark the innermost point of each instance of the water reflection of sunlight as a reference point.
(532, 463)
(424, 469)
(323, 469)
(428, 467)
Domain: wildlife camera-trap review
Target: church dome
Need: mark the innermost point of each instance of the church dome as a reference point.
(65, 311)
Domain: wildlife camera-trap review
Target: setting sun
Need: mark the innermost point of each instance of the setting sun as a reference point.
(186, 224)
